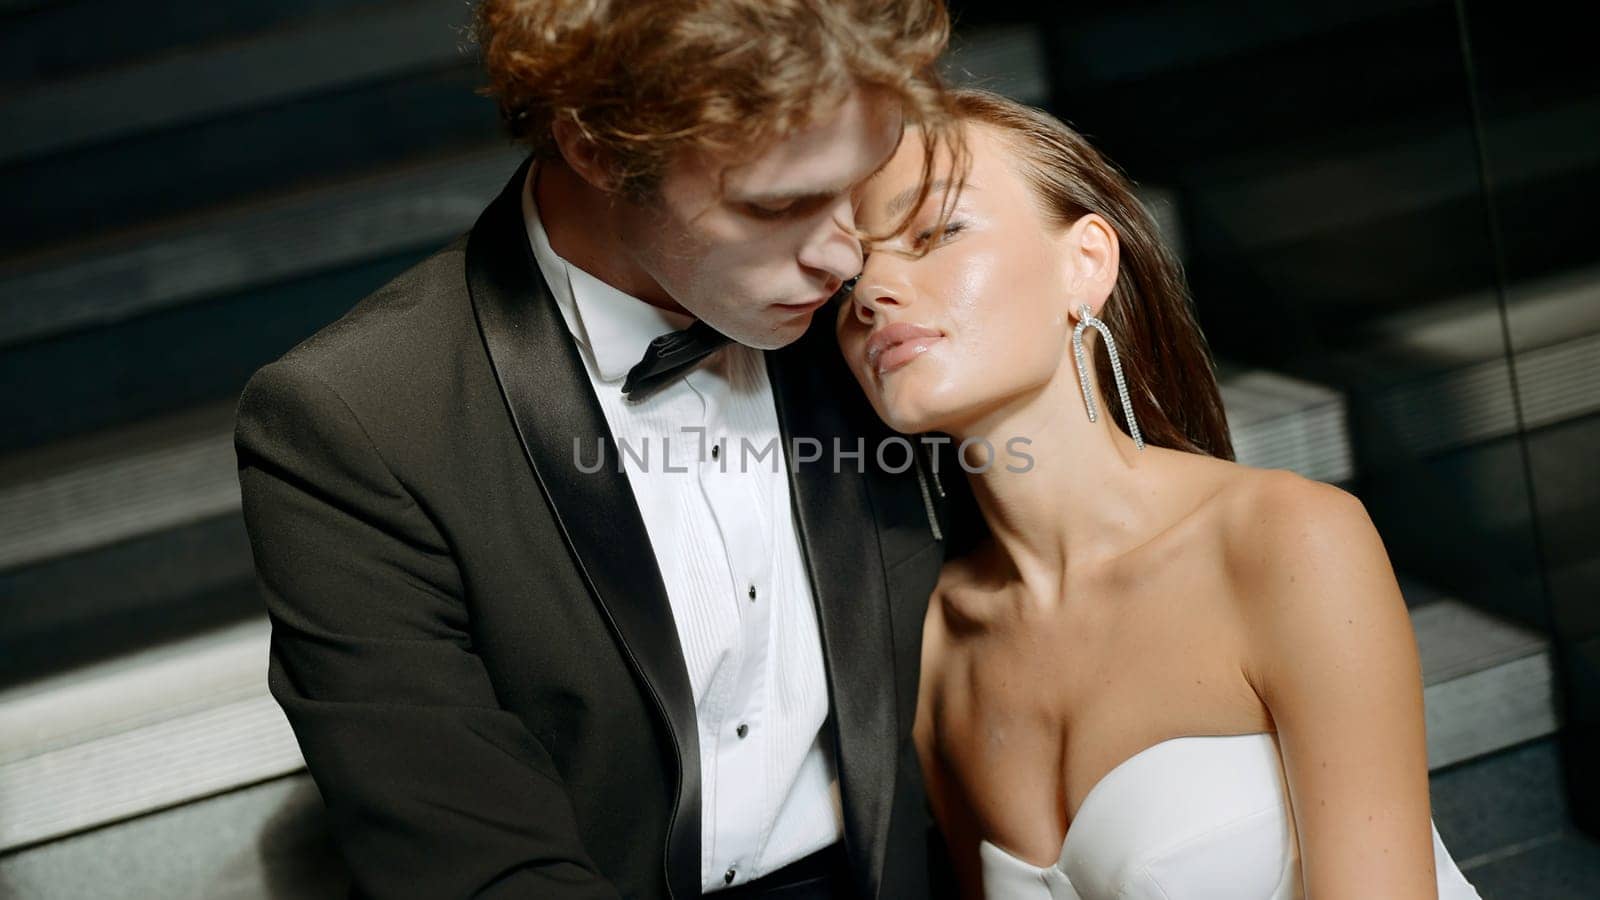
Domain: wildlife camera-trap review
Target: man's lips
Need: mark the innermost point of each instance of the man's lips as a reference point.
(895, 345)
(805, 305)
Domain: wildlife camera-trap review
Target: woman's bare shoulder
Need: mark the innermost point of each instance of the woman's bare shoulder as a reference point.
(1273, 521)
(1305, 560)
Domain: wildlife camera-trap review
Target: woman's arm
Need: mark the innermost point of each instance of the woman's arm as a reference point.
(1333, 655)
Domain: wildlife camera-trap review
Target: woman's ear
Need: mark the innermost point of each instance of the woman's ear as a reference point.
(582, 156)
(1090, 247)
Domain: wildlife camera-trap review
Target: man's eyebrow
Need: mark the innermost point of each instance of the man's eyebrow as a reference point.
(905, 197)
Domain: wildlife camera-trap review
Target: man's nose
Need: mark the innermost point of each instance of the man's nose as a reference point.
(836, 251)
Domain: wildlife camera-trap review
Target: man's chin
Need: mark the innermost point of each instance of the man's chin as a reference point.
(779, 332)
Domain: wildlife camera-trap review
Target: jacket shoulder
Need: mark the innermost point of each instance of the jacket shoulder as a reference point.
(416, 324)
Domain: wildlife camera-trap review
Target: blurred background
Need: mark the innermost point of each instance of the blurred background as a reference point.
(1386, 210)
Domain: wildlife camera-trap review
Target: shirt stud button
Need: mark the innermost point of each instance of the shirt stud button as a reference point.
(714, 451)
(727, 877)
(752, 592)
(743, 729)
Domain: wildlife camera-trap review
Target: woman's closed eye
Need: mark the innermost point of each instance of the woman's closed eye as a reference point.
(918, 242)
(926, 235)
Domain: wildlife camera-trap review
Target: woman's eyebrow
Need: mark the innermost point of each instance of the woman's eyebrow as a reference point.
(905, 197)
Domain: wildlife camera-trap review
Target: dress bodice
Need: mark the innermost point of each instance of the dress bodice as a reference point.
(1190, 818)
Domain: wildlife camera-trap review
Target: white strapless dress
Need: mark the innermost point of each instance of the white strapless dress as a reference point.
(1191, 818)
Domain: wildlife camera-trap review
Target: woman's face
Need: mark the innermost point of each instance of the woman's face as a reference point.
(944, 341)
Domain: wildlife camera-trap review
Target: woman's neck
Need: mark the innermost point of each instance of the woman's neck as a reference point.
(1087, 495)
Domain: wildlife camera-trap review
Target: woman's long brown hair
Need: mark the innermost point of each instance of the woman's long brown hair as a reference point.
(1171, 378)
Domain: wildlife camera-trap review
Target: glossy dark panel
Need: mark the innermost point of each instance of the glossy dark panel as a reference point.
(1324, 166)
(1538, 89)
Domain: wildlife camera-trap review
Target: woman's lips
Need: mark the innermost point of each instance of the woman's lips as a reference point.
(896, 345)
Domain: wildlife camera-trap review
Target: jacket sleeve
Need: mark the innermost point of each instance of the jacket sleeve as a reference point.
(432, 788)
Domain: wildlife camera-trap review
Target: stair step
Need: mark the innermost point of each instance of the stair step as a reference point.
(157, 178)
(121, 738)
(1487, 682)
(112, 486)
(313, 56)
(1279, 422)
(49, 40)
(112, 279)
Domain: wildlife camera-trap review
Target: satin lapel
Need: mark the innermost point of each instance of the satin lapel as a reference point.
(546, 389)
(839, 539)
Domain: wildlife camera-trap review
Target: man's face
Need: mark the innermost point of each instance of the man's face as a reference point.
(758, 261)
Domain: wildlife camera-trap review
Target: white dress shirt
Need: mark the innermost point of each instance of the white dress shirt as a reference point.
(723, 534)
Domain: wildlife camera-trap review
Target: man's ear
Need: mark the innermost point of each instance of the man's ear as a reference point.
(582, 156)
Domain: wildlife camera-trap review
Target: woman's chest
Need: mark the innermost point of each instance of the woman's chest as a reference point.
(1025, 721)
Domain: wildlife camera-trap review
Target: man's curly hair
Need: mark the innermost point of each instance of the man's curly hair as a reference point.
(646, 80)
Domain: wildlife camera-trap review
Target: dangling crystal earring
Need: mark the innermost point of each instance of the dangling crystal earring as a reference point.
(1086, 319)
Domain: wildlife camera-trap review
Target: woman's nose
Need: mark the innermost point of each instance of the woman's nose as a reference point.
(873, 295)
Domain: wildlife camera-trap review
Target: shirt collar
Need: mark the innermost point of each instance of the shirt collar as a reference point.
(613, 327)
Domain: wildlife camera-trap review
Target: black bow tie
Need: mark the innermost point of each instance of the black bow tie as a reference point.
(669, 356)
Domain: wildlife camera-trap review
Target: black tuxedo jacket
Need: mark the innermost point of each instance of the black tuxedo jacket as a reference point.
(470, 636)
